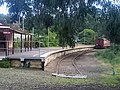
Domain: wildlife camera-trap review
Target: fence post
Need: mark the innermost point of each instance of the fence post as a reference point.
(13, 43)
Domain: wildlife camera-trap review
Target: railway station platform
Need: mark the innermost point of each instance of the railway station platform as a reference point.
(40, 57)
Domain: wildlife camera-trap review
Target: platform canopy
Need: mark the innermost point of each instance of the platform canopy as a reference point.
(7, 34)
(14, 28)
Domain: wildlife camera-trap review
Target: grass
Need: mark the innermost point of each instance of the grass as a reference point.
(110, 56)
(41, 78)
(69, 81)
(109, 80)
(21, 76)
(105, 80)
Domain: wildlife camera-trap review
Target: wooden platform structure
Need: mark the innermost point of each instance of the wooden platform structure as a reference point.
(7, 39)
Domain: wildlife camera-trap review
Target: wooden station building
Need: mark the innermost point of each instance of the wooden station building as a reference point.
(7, 39)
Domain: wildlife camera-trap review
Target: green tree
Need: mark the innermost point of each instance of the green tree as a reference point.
(113, 27)
(110, 16)
(87, 36)
(53, 39)
(68, 16)
(18, 8)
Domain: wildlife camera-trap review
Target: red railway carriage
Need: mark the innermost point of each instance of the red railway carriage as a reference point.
(102, 43)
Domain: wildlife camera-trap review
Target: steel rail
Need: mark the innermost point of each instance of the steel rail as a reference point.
(75, 58)
(73, 61)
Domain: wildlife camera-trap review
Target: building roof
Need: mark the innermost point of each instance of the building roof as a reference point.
(13, 28)
(1, 24)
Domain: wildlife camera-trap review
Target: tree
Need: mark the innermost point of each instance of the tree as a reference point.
(87, 36)
(4, 19)
(53, 39)
(18, 8)
(1, 2)
(68, 16)
(111, 15)
(69, 23)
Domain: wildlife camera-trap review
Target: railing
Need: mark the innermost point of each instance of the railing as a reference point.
(10, 47)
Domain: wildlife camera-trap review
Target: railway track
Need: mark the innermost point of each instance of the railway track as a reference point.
(78, 73)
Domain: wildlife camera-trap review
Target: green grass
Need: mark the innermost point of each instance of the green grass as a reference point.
(112, 57)
(104, 80)
(69, 81)
(109, 80)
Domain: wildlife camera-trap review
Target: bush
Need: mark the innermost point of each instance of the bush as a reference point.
(112, 56)
(5, 63)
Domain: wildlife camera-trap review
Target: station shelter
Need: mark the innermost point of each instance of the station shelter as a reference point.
(7, 39)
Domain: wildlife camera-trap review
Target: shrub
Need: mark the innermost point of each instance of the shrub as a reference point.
(5, 63)
(112, 56)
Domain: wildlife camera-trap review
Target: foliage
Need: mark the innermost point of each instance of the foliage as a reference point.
(5, 63)
(53, 39)
(17, 43)
(18, 8)
(109, 80)
(111, 56)
(110, 17)
(87, 36)
(4, 19)
(69, 17)
(66, 15)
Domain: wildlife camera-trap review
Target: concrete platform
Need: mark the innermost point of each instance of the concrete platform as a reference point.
(34, 54)
(39, 58)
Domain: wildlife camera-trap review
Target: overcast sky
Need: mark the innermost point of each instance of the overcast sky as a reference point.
(3, 9)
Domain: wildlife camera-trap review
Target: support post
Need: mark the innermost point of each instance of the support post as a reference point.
(13, 42)
(25, 43)
(30, 42)
(6, 45)
(21, 44)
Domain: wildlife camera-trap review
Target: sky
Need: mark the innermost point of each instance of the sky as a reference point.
(3, 9)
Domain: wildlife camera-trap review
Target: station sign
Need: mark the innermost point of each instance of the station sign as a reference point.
(6, 32)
